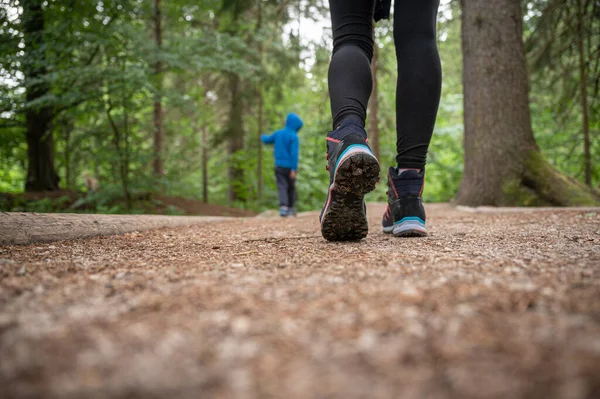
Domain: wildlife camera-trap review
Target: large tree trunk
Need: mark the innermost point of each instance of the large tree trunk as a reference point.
(374, 106)
(41, 174)
(503, 165)
(587, 156)
(235, 134)
(158, 111)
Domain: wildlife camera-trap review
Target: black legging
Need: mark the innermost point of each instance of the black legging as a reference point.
(419, 70)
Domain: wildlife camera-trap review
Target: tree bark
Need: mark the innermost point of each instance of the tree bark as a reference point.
(259, 176)
(66, 126)
(259, 163)
(503, 165)
(235, 133)
(204, 164)
(158, 111)
(41, 173)
(123, 157)
(374, 105)
(587, 157)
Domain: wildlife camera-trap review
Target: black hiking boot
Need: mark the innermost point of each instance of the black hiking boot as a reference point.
(353, 172)
(405, 214)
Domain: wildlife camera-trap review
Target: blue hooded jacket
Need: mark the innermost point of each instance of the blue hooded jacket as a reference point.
(286, 142)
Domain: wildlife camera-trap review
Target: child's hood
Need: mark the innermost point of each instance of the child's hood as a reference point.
(294, 122)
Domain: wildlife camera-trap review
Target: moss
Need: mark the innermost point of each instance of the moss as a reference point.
(517, 194)
(479, 21)
(542, 185)
(538, 183)
(554, 187)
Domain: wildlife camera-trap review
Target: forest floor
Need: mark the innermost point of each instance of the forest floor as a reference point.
(143, 203)
(493, 304)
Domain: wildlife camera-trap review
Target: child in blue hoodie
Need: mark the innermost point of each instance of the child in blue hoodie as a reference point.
(286, 162)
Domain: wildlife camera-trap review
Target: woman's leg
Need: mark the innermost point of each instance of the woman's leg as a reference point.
(417, 100)
(350, 81)
(419, 79)
(353, 169)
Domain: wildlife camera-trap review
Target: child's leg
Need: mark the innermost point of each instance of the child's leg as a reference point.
(282, 176)
(350, 81)
(419, 79)
(291, 192)
(292, 195)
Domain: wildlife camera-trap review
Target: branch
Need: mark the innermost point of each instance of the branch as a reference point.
(74, 104)
(86, 63)
(113, 125)
(12, 123)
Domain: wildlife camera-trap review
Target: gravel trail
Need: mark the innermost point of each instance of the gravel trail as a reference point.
(498, 304)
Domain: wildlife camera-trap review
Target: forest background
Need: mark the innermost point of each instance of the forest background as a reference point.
(116, 106)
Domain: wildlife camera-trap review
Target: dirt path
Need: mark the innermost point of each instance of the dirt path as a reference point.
(491, 305)
(32, 228)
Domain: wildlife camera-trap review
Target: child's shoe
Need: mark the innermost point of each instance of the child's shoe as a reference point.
(283, 211)
(405, 214)
(353, 172)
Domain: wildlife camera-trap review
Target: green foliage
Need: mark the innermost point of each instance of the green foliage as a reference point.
(43, 205)
(551, 31)
(100, 60)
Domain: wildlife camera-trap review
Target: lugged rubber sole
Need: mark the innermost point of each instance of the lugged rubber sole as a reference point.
(344, 217)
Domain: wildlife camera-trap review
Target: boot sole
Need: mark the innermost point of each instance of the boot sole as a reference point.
(344, 218)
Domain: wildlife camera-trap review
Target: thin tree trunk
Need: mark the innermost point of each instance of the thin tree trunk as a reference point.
(126, 142)
(259, 176)
(67, 127)
(587, 157)
(235, 133)
(204, 164)
(41, 173)
(374, 104)
(123, 168)
(503, 165)
(120, 138)
(158, 111)
(259, 161)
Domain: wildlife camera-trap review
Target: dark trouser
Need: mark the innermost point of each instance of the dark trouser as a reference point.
(419, 70)
(286, 186)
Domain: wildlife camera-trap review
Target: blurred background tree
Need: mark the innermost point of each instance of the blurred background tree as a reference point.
(157, 102)
(503, 163)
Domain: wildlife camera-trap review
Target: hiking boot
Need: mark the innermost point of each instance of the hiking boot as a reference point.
(284, 211)
(405, 214)
(292, 212)
(353, 172)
